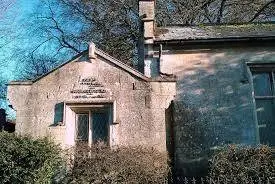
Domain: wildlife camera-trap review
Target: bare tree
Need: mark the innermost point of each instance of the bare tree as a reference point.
(112, 25)
(7, 32)
(37, 66)
(69, 25)
(3, 88)
(192, 12)
(5, 5)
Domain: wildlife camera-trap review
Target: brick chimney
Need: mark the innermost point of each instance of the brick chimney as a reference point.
(147, 62)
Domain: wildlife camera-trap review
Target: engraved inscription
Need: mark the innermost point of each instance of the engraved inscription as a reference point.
(89, 88)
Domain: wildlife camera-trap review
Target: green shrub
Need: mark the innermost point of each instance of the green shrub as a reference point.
(26, 160)
(242, 163)
(100, 164)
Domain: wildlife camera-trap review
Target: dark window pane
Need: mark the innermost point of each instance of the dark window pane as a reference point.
(82, 132)
(262, 84)
(58, 113)
(266, 121)
(100, 127)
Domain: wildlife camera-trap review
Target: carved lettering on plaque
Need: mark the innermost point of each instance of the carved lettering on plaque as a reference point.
(89, 88)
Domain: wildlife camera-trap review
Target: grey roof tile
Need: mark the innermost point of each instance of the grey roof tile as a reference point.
(215, 32)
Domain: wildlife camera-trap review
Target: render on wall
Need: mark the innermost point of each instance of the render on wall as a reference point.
(214, 104)
(137, 104)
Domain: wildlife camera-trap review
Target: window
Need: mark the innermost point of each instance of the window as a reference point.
(264, 94)
(92, 126)
(82, 128)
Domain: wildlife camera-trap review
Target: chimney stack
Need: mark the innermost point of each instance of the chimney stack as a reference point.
(147, 16)
(147, 63)
(92, 54)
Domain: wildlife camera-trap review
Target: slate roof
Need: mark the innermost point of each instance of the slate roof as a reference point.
(209, 32)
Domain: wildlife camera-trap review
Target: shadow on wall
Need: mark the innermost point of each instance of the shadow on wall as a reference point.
(4, 124)
(192, 139)
(213, 106)
(169, 123)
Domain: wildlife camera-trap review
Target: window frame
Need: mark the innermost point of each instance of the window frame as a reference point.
(76, 126)
(261, 68)
(272, 83)
(90, 110)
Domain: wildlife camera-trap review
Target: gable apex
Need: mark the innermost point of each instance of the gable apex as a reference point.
(120, 64)
(92, 53)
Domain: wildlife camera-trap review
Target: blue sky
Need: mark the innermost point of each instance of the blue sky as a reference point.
(16, 19)
(12, 22)
(18, 35)
(13, 32)
(24, 34)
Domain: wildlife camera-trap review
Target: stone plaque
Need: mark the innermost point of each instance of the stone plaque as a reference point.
(89, 88)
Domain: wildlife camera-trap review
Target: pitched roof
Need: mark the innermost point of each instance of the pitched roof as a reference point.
(133, 71)
(210, 32)
(121, 65)
(109, 58)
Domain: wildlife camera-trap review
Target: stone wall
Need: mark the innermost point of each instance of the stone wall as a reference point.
(214, 104)
(139, 105)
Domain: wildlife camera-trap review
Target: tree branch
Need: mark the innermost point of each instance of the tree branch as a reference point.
(261, 10)
(220, 14)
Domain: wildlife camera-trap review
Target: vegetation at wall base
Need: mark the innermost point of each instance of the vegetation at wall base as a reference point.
(99, 164)
(27, 160)
(208, 180)
(237, 163)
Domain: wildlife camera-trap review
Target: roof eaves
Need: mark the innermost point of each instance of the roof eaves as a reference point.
(202, 40)
(122, 65)
(26, 83)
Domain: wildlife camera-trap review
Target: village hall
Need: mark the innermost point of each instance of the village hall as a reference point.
(211, 84)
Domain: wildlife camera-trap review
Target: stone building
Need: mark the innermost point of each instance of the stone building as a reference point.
(225, 90)
(197, 88)
(94, 97)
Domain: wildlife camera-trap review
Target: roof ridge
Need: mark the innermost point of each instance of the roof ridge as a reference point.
(216, 24)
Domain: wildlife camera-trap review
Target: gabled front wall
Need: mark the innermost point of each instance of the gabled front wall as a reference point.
(214, 102)
(138, 106)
